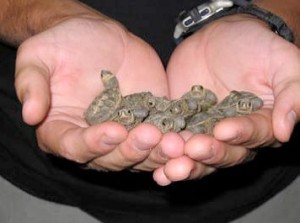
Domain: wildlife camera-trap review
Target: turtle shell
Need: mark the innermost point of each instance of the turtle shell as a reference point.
(107, 102)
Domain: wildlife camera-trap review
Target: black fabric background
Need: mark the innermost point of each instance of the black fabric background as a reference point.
(134, 197)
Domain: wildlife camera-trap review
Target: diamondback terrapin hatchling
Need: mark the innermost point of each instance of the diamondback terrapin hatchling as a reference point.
(182, 107)
(161, 104)
(235, 104)
(138, 100)
(130, 118)
(196, 100)
(202, 97)
(136, 107)
(133, 109)
(107, 102)
(166, 122)
(239, 103)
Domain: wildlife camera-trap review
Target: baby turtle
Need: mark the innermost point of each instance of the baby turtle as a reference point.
(130, 118)
(235, 104)
(166, 122)
(144, 100)
(196, 110)
(198, 99)
(202, 97)
(136, 107)
(107, 102)
(239, 103)
(183, 107)
(161, 104)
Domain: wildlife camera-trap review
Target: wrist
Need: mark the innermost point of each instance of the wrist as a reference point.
(192, 20)
(20, 20)
(240, 25)
(288, 10)
(240, 17)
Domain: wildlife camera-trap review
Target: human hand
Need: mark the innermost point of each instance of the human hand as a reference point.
(235, 53)
(58, 75)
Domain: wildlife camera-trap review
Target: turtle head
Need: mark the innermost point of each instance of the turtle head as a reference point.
(109, 80)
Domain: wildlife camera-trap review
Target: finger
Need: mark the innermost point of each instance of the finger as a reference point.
(227, 156)
(32, 87)
(170, 146)
(80, 144)
(286, 110)
(175, 170)
(200, 170)
(136, 148)
(181, 169)
(286, 85)
(186, 135)
(200, 147)
(160, 178)
(254, 130)
(212, 152)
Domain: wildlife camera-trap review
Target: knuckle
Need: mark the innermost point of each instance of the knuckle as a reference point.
(132, 159)
(221, 156)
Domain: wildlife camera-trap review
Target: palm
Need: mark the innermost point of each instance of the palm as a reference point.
(71, 62)
(223, 62)
(75, 63)
(233, 55)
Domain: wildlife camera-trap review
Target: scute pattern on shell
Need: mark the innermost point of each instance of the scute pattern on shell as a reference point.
(107, 103)
(235, 104)
(197, 110)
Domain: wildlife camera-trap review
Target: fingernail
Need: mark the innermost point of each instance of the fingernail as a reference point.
(162, 154)
(25, 97)
(291, 119)
(235, 139)
(138, 144)
(110, 141)
(288, 124)
(210, 154)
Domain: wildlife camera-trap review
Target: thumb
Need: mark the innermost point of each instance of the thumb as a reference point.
(286, 111)
(32, 87)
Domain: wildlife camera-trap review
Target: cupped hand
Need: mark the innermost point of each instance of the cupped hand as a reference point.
(58, 75)
(236, 52)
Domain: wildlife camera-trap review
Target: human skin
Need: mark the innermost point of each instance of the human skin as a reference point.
(238, 52)
(48, 83)
(58, 74)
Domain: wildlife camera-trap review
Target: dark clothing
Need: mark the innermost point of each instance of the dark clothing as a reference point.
(134, 197)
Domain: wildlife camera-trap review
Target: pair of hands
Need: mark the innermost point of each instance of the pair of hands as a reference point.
(57, 76)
